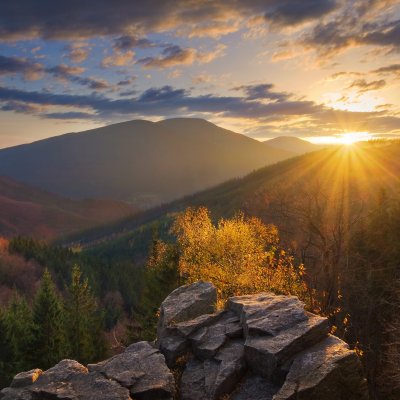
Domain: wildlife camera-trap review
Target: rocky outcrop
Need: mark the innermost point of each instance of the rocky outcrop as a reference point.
(261, 347)
(138, 373)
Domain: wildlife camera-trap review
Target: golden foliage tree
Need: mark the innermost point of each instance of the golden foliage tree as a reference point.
(239, 255)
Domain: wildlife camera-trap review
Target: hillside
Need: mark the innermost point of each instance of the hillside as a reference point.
(293, 144)
(264, 192)
(25, 210)
(142, 162)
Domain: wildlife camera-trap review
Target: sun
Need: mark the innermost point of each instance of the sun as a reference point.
(349, 138)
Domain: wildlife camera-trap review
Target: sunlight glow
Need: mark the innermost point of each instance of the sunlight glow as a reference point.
(347, 138)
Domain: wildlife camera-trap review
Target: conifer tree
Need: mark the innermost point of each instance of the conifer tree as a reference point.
(18, 326)
(84, 321)
(49, 342)
(6, 355)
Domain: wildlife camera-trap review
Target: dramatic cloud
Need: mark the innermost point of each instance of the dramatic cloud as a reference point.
(390, 69)
(293, 12)
(118, 59)
(15, 65)
(34, 71)
(129, 42)
(78, 52)
(163, 101)
(66, 73)
(53, 20)
(263, 91)
(363, 86)
(360, 23)
(174, 55)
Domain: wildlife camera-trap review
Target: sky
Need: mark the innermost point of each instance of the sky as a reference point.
(316, 69)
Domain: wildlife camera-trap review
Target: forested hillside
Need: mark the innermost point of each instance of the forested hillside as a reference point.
(336, 245)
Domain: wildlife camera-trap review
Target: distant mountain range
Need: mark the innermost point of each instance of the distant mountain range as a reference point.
(25, 210)
(145, 163)
(293, 144)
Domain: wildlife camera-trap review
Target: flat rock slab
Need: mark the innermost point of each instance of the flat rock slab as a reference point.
(328, 370)
(255, 387)
(185, 303)
(266, 313)
(141, 368)
(267, 354)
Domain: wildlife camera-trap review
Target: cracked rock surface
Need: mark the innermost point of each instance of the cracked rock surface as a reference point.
(261, 347)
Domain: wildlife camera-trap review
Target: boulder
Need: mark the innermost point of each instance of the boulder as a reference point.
(186, 303)
(185, 310)
(209, 338)
(68, 380)
(141, 368)
(213, 378)
(276, 328)
(26, 378)
(328, 370)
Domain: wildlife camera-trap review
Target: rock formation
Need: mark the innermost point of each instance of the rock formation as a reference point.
(261, 347)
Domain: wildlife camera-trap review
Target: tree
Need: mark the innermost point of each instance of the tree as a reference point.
(49, 342)
(161, 277)
(18, 327)
(84, 321)
(239, 255)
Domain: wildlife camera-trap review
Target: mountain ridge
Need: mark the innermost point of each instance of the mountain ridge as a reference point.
(139, 161)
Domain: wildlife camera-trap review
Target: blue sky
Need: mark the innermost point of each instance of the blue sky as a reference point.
(317, 69)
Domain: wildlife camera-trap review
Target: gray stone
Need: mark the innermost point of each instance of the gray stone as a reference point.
(207, 340)
(255, 387)
(266, 313)
(68, 380)
(26, 378)
(185, 303)
(328, 370)
(140, 368)
(215, 377)
(266, 354)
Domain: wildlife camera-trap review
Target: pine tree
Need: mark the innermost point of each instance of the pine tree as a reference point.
(6, 358)
(84, 321)
(18, 326)
(49, 342)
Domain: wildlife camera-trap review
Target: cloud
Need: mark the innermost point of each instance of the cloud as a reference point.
(71, 74)
(363, 86)
(262, 91)
(77, 52)
(390, 69)
(174, 55)
(52, 20)
(31, 70)
(358, 23)
(294, 12)
(118, 59)
(128, 42)
(68, 115)
(301, 116)
(15, 65)
(160, 101)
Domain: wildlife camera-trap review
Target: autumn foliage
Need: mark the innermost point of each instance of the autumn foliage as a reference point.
(239, 255)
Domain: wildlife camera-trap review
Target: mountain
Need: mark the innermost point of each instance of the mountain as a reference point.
(142, 162)
(25, 210)
(293, 144)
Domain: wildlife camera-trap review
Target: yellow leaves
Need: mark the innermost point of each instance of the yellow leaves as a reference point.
(239, 255)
